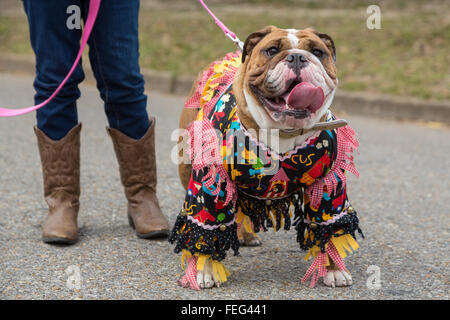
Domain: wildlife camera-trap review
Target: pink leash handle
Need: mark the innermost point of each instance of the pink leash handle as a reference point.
(94, 6)
(230, 34)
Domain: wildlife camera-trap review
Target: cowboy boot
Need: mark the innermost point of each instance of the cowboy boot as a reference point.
(61, 174)
(137, 165)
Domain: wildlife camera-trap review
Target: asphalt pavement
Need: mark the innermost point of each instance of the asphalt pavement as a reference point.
(402, 198)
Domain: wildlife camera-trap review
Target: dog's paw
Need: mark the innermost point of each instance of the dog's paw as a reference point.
(206, 278)
(337, 278)
(249, 240)
(246, 236)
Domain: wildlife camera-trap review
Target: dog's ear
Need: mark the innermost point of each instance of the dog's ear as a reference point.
(328, 42)
(253, 39)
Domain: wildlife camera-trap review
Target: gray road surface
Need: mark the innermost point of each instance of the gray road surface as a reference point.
(402, 197)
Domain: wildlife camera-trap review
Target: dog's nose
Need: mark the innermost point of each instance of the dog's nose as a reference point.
(296, 60)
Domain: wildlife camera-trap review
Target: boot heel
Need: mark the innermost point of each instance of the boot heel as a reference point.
(131, 222)
(137, 165)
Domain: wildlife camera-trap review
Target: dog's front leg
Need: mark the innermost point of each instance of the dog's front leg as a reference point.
(245, 231)
(213, 274)
(330, 239)
(205, 278)
(202, 272)
(205, 229)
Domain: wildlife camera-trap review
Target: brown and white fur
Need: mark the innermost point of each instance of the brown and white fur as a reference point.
(264, 76)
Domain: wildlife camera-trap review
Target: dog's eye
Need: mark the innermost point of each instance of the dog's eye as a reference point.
(272, 51)
(318, 53)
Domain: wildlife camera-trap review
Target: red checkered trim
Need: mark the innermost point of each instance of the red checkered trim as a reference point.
(346, 144)
(189, 280)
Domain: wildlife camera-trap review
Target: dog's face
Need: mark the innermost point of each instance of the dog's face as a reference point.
(289, 77)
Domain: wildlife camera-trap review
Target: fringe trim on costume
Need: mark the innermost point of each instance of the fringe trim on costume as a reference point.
(336, 250)
(343, 243)
(214, 82)
(274, 213)
(204, 153)
(197, 262)
(243, 221)
(319, 266)
(310, 235)
(203, 140)
(346, 144)
(195, 239)
(317, 269)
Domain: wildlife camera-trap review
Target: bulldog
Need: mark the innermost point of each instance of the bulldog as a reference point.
(242, 180)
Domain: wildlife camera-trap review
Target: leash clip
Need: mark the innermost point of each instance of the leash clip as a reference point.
(236, 41)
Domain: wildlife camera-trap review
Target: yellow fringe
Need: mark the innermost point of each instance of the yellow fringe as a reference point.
(272, 216)
(248, 225)
(200, 114)
(245, 220)
(219, 69)
(201, 261)
(219, 269)
(185, 255)
(343, 244)
(313, 252)
(239, 216)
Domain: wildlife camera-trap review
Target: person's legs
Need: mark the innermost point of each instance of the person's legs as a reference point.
(57, 130)
(55, 47)
(114, 55)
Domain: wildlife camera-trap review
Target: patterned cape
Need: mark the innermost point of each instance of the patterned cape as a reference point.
(235, 176)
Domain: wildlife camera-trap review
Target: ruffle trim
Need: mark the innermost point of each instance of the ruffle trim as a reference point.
(214, 81)
(197, 240)
(203, 149)
(310, 235)
(346, 144)
(203, 140)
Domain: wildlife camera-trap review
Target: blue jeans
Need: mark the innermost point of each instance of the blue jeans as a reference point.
(113, 53)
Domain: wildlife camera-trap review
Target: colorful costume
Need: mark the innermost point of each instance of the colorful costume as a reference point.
(234, 176)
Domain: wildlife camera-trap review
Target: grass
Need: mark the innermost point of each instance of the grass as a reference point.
(409, 56)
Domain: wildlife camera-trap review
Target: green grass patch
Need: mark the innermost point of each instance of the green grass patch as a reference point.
(14, 36)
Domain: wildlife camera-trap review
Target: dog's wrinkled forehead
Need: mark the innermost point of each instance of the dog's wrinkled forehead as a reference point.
(269, 46)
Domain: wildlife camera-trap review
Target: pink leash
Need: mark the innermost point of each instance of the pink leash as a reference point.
(230, 34)
(94, 5)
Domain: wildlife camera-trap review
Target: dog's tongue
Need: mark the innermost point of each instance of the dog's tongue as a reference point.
(306, 96)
